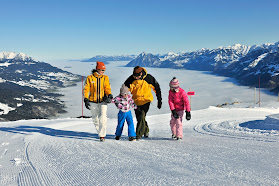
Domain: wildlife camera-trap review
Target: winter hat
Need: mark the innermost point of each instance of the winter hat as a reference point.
(137, 71)
(124, 90)
(174, 83)
(100, 65)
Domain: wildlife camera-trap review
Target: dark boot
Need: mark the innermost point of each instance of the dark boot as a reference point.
(146, 135)
(102, 139)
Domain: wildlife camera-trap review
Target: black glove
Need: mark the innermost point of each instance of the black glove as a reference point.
(109, 98)
(159, 104)
(87, 104)
(174, 114)
(188, 115)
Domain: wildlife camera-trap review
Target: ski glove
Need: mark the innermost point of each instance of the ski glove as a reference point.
(109, 98)
(174, 114)
(188, 115)
(159, 105)
(87, 104)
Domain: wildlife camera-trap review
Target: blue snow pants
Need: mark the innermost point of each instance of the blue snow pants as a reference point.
(122, 116)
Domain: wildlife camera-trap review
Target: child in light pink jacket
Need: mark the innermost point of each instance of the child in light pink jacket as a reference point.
(178, 102)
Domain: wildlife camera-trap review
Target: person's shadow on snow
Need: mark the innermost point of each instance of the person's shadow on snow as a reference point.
(26, 130)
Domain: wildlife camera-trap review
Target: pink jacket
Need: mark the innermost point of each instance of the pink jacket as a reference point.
(179, 100)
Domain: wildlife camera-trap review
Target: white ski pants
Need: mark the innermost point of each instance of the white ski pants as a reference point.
(99, 116)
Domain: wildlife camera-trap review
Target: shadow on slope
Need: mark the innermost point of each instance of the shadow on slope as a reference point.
(26, 130)
(261, 125)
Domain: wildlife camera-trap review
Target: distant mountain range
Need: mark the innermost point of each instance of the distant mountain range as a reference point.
(244, 63)
(26, 87)
(105, 58)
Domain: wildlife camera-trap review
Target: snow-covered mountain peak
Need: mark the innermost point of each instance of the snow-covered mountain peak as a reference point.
(202, 50)
(234, 47)
(267, 44)
(172, 54)
(7, 55)
(237, 46)
(13, 55)
(22, 56)
(143, 54)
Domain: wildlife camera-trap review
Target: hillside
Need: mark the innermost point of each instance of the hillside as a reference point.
(27, 87)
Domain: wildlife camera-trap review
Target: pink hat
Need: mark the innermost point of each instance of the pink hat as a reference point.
(174, 83)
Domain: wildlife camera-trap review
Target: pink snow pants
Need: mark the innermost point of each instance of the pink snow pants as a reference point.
(176, 124)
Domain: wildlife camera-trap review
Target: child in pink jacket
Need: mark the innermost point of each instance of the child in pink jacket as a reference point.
(178, 102)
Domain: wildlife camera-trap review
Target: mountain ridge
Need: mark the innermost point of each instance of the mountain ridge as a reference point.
(244, 63)
(105, 58)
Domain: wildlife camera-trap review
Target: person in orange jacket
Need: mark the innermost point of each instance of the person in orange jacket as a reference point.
(97, 93)
(140, 85)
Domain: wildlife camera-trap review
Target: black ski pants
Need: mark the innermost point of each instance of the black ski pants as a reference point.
(142, 126)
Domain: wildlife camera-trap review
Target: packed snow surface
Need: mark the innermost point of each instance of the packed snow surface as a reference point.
(221, 146)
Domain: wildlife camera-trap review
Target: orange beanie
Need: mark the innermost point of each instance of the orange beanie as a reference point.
(100, 65)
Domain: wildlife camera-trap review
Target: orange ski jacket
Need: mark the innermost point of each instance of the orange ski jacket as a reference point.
(96, 87)
(141, 88)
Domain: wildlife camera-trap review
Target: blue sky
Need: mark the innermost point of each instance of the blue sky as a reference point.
(75, 29)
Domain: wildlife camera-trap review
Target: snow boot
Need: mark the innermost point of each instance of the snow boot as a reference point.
(178, 138)
(146, 135)
(102, 139)
(117, 137)
(173, 136)
(132, 139)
